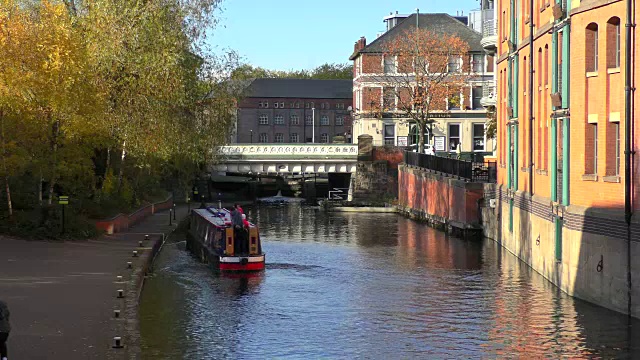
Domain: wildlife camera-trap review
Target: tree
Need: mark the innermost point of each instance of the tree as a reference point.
(429, 70)
(324, 72)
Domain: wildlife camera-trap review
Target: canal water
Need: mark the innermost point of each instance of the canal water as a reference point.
(373, 286)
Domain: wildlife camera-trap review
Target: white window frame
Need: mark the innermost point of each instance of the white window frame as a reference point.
(278, 138)
(324, 138)
(278, 119)
(275, 105)
(266, 104)
(308, 120)
(484, 137)
(483, 60)
(263, 138)
(459, 137)
(282, 105)
(294, 138)
(294, 119)
(263, 119)
(324, 120)
(339, 120)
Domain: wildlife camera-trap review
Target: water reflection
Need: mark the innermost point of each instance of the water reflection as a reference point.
(369, 286)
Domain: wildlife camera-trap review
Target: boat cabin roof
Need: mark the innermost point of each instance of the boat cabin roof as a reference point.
(217, 217)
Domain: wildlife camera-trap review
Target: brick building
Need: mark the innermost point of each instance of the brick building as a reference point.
(286, 110)
(561, 146)
(460, 122)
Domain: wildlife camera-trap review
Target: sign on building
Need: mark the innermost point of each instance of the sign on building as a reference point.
(439, 143)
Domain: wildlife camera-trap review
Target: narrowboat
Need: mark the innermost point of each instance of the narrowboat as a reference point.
(212, 238)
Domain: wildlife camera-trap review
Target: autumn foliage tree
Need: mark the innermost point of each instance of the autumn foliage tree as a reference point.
(428, 70)
(103, 99)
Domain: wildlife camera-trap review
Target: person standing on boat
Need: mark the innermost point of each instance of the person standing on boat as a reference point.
(238, 230)
(239, 208)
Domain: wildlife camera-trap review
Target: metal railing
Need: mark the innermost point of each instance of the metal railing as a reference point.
(488, 28)
(466, 170)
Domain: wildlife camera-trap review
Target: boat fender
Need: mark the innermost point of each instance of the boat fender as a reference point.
(244, 261)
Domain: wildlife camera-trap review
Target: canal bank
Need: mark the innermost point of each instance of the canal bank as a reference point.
(63, 296)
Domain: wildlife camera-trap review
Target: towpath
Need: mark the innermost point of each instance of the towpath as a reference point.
(62, 295)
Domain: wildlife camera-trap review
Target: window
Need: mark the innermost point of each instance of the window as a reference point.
(278, 120)
(282, 105)
(307, 105)
(591, 149)
(266, 104)
(389, 64)
(263, 138)
(293, 137)
(308, 120)
(313, 105)
(389, 134)
(297, 105)
(617, 131)
(340, 106)
(339, 120)
(613, 149)
(279, 138)
(613, 43)
(322, 106)
(260, 104)
(275, 105)
(478, 63)
(478, 137)
(546, 65)
(476, 96)
(454, 102)
(264, 119)
(454, 136)
(595, 148)
(389, 98)
(454, 64)
(295, 120)
(324, 138)
(324, 120)
(591, 43)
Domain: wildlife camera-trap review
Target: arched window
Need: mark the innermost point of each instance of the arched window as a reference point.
(613, 43)
(591, 47)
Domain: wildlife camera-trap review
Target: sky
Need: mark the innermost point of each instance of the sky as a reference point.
(303, 34)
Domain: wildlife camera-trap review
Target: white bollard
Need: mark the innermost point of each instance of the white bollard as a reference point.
(135, 253)
(129, 265)
(117, 342)
(116, 313)
(120, 293)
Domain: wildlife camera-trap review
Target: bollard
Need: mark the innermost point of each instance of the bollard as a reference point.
(139, 243)
(174, 211)
(117, 342)
(146, 237)
(129, 265)
(170, 211)
(119, 277)
(116, 313)
(120, 293)
(135, 253)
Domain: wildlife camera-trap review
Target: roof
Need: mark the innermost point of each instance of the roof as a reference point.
(301, 88)
(436, 23)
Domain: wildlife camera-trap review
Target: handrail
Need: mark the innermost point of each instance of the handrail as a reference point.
(462, 169)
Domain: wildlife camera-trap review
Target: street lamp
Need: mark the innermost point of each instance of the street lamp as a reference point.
(313, 125)
(251, 132)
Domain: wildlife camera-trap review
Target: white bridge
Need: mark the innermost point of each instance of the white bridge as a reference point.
(288, 158)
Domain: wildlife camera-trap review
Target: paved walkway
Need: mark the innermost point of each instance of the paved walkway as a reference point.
(62, 295)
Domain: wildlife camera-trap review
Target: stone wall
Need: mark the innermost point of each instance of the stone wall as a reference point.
(376, 178)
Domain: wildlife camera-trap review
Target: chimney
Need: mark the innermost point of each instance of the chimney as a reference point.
(360, 44)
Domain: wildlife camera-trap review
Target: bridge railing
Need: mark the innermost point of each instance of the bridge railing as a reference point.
(275, 150)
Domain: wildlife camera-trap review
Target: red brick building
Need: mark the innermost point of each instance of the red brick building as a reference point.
(562, 116)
